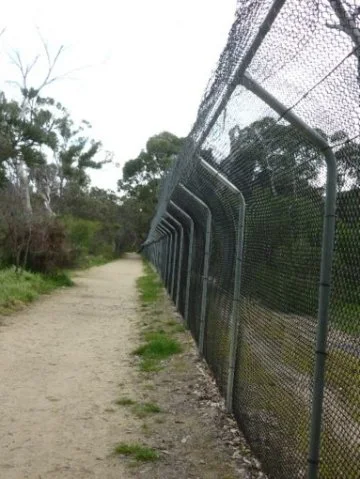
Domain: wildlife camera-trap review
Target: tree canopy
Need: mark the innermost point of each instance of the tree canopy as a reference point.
(139, 185)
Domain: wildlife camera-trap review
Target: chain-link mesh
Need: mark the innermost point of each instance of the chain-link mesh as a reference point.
(303, 60)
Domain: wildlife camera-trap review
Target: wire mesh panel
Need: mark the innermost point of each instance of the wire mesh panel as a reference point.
(184, 265)
(224, 206)
(199, 214)
(282, 105)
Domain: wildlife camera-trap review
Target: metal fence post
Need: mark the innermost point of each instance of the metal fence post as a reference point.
(180, 256)
(234, 318)
(173, 256)
(167, 254)
(206, 266)
(327, 248)
(159, 251)
(190, 258)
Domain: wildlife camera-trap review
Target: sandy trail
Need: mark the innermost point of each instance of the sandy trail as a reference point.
(61, 363)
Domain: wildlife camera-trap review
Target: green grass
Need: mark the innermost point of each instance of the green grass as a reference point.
(125, 401)
(139, 409)
(24, 287)
(148, 365)
(137, 451)
(149, 286)
(142, 410)
(158, 342)
(343, 374)
(158, 346)
(175, 326)
(345, 317)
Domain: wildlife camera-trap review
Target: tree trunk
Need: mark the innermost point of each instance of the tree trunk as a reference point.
(24, 186)
(46, 197)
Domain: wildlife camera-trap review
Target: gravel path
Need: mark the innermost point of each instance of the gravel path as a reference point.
(61, 363)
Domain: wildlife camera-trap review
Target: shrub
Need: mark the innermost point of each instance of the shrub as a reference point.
(49, 250)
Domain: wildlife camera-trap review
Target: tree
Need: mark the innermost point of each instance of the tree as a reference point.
(150, 164)
(348, 160)
(283, 161)
(139, 186)
(76, 153)
(23, 140)
(348, 15)
(44, 160)
(34, 120)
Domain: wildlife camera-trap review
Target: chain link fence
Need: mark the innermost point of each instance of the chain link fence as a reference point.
(257, 233)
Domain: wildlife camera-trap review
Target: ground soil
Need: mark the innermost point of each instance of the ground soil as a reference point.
(66, 359)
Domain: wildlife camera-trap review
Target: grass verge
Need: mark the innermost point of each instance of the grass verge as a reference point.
(139, 409)
(137, 451)
(158, 346)
(149, 286)
(142, 410)
(159, 342)
(19, 288)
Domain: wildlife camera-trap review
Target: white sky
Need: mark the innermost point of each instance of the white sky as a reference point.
(148, 63)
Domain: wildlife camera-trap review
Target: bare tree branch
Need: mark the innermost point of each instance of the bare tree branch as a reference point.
(347, 21)
(347, 24)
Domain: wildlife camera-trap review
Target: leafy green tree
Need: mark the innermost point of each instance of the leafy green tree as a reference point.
(139, 186)
(149, 165)
(271, 155)
(75, 153)
(24, 132)
(348, 160)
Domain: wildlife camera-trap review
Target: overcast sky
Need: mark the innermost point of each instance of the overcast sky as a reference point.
(146, 63)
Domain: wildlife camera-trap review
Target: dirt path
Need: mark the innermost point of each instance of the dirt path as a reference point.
(59, 375)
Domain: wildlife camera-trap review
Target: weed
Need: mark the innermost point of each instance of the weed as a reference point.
(171, 322)
(142, 410)
(159, 346)
(22, 287)
(179, 328)
(149, 387)
(149, 286)
(124, 401)
(148, 365)
(137, 451)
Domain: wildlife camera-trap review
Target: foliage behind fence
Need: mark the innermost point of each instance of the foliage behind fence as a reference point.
(306, 55)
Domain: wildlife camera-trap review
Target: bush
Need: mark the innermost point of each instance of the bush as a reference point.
(23, 287)
(89, 241)
(49, 250)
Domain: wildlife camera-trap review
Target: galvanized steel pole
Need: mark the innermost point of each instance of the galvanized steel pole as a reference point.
(168, 254)
(235, 311)
(325, 265)
(173, 256)
(190, 258)
(206, 266)
(180, 256)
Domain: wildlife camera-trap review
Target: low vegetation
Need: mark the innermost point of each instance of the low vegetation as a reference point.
(140, 410)
(137, 451)
(18, 288)
(145, 409)
(170, 417)
(158, 346)
(149, 286)
(124, 401)
(159, 343)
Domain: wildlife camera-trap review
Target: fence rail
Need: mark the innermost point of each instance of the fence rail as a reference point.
(257, 233)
